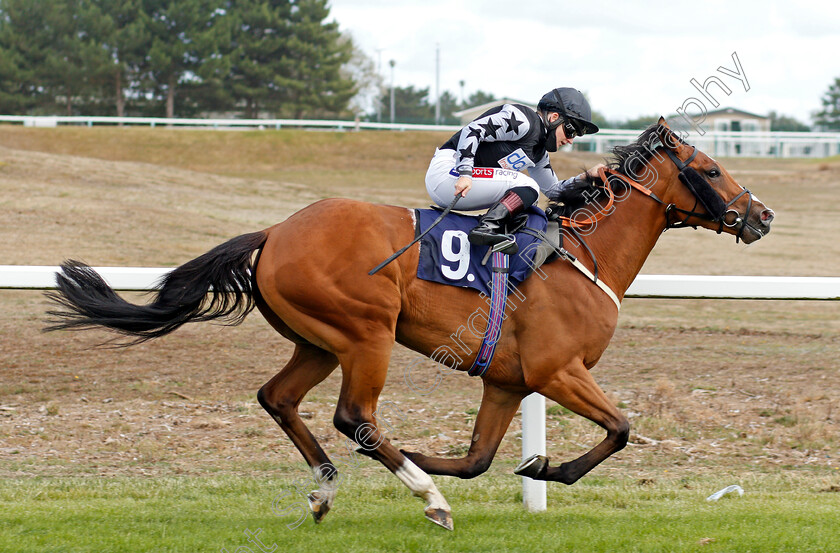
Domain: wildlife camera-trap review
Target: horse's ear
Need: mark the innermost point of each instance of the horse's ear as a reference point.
(666, 136)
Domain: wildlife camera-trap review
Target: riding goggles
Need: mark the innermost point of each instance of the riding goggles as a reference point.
(571, 129)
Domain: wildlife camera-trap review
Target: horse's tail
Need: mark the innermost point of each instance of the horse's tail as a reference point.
(225, 272)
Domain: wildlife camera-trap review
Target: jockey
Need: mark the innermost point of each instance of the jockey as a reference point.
(495, 147)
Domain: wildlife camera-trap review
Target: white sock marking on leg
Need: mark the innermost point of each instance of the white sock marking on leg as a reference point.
(422, 485)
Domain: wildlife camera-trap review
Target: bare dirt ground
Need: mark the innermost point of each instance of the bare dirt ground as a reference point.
(710, 386)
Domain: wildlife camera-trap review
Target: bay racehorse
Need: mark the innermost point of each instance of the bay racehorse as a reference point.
(308, 276)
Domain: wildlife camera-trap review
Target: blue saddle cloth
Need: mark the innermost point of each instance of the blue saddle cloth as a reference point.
(447, 257)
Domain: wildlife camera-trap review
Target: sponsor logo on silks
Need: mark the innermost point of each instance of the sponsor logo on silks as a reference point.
(483, 172)
(516, 160)
(488, 173)
(506, 174)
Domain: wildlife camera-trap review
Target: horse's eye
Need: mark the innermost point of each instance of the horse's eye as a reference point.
(713, 173)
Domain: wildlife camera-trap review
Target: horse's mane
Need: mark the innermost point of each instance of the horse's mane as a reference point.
(628, 160)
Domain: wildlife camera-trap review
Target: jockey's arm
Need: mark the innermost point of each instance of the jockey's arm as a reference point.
(548, 181)
(550, 184)
(559, 187)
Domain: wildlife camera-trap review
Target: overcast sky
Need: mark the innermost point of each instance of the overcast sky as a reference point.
(630, 58)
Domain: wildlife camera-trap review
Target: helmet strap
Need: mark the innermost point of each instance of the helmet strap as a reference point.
(551, 136)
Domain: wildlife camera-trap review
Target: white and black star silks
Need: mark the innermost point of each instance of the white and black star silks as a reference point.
(510, 137)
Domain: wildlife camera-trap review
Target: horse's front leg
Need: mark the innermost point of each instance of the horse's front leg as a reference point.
(574, 388)
(494, 415)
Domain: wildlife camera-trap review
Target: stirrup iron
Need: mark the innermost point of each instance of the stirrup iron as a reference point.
(507, 246)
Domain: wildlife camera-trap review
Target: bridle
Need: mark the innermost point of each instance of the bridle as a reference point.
(717, 210)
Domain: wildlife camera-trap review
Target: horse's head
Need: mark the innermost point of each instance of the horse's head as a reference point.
(707, 195)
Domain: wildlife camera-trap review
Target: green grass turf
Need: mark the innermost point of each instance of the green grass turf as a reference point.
(378, 514)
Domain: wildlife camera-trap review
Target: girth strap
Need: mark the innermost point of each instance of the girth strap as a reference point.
(498, 302)
(597, 281)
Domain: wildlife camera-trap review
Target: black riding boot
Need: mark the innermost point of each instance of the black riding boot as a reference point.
(490, 225)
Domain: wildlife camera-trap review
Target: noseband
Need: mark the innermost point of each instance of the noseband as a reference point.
(716, 208)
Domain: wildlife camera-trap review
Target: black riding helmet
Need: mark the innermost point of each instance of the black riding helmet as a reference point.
(570, 104)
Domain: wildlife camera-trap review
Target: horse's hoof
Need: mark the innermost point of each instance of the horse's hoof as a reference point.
(534, 467)
(318, 506)
(441, 517)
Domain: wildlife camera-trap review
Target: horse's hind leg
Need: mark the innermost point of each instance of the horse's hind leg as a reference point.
(574, 388)
(281, 397)
(364, 371)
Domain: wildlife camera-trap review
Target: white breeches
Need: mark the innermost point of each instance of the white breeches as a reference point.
(488, 185)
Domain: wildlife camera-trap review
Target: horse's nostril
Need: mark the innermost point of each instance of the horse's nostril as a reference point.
(767, 216)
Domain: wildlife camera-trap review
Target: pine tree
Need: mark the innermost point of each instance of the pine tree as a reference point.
(72, 56)
(281, 56)
(17, 90)
(185, 37)
(448, 106)
(119, 30)
(59, 51)
(314, 84)
(26, 41)
(829, 116)
(478, 98)
(285, 59)
(410, 105)
(786, 123)
(259, 35)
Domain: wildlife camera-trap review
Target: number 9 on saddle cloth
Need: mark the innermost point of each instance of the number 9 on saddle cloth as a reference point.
(447, 257)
